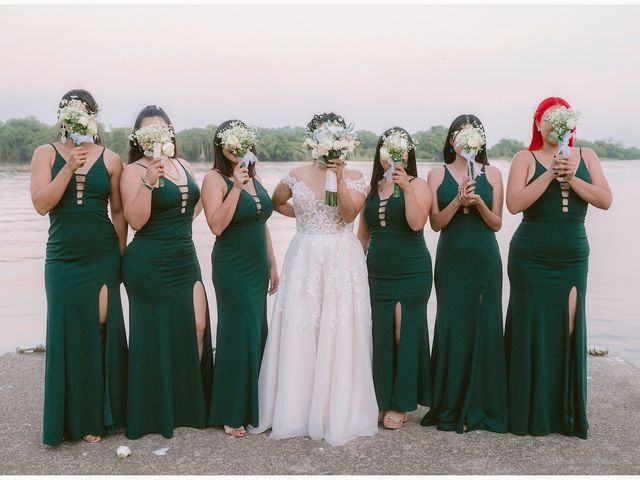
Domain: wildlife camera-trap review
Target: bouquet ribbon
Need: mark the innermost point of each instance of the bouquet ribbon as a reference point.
(470, 155)
(563, 144)
(388, 174)
(331, 182)
(249, 158)
(78, 138)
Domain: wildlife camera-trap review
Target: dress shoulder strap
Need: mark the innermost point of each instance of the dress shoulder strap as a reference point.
(54, 148)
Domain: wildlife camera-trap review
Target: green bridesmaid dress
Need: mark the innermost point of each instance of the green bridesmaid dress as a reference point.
(547, 367)
(240, 266)
(468, 363)
(399, 267)
(86, 364)
(169, 385)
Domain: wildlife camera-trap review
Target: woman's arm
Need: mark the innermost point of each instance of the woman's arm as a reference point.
(521, 196)
(440, 218)
(598, 192)
(219, 210)
(114, 166)
(273, 266)
(363, 232)
(45, 192)
(417, 198)
(280, 199)
(136, 192)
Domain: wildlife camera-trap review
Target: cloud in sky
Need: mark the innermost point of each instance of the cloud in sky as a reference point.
(414, 66)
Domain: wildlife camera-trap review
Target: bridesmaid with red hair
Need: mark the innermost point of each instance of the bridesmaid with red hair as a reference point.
(545, 331)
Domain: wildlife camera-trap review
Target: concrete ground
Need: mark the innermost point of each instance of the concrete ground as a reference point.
(613, 446)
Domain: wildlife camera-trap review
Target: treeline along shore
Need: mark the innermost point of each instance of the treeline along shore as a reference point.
(20, 136)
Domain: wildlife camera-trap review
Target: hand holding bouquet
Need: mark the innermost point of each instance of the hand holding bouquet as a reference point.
(239, 139)
(563, 121)
(471, 139)
(155, 140)
(394, 147)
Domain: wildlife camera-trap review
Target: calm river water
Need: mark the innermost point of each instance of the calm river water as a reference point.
(613, 293)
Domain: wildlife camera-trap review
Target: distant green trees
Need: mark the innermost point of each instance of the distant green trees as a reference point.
(506, 147)
(610, 149)
(20, 136)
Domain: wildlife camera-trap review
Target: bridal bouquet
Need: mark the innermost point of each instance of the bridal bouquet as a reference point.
(330, 141)
(394, 146)
(563, 121)
(154, 140)
(77, 121)
(471, 139)
(239, 138)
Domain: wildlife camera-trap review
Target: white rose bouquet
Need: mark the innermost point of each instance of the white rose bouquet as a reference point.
(563, 121)
(395, 145)
(155, 139)
(77, 121)
(239, 138)
(331, 140)
(471, 139)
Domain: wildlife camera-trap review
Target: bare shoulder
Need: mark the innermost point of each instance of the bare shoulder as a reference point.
(214, 179)
(43, 155)
(493, 172)
(136, 167)
(419, 182)
(46, 149)
(436, 174)
(112, 160)
(589, 155)
(523, 157)
(214, 175)
(185, 164)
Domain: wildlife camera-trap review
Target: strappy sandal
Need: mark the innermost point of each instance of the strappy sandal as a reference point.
(92, 438)
(394, 423)
(239, 432)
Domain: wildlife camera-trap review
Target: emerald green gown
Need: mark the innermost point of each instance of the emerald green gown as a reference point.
(169, 386)
(468, 363)
(240, 270)
(86, 365)
(547, 368)
(399, 267)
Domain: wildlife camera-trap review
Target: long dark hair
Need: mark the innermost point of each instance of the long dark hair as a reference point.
(135, 151)
(321, 118)
(378, 170)
(87, 99)
(222, 163)
(449, 153)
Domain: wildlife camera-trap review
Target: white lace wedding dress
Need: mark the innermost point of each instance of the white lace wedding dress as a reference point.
(316, 377)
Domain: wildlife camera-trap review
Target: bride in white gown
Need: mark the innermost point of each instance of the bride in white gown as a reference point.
(316, 376)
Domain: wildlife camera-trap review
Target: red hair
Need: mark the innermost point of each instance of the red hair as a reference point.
(546, 104)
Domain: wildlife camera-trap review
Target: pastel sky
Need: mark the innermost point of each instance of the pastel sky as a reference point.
(379, 66)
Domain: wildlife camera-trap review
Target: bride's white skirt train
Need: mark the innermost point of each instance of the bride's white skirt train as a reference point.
(316, 376)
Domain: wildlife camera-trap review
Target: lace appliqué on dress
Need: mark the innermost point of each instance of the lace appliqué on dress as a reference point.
(358, 185)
